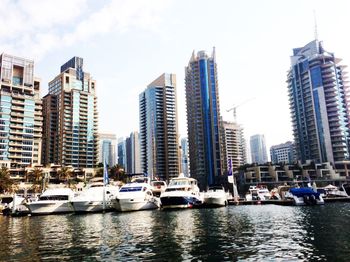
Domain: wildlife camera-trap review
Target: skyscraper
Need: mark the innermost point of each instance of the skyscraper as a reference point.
(133, 164)
(107, 148)
(318, 104)
(203, 118)
(70, 118)
(20, 113)
(282, 153)
(184, 157)
(122, 153)
(234, 145)
(158, 129)
(258, 149)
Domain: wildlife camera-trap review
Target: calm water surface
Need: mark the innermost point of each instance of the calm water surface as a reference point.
(246, 233)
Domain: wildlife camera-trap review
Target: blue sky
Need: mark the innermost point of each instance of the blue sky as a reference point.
(127, 44)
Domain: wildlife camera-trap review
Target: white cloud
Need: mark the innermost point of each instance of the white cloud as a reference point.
(33, 28)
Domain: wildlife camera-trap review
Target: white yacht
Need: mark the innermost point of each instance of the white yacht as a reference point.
(52, 201)
(91, 199)
(158, 187)
(215, 196)
(135, 196)
(182, 192)
(258, 193)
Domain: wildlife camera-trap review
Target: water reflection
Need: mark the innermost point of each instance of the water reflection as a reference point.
(249, 233)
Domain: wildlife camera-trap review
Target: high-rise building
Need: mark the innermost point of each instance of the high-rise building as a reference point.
(282, 153)
(70, 118)
(158, 129)
(258, 149)
(319, 108)
(203, 118)
(133, 164)
(185, 161)
(107, 148)
(122, 153)
(234, 145)
(20, 113)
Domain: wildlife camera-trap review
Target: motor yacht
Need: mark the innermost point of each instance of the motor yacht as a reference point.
(182, 192)
(331, 191)
(135, 196)
(52, 201)
(158, 187)
(91, 199)
(258, 193)
(304, 196)
(215, 196)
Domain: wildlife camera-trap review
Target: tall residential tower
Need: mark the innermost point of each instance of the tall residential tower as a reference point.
(158, 129)
(70, 118)
(20, 113)
(319, 107)
(234, 145)
(203, 118)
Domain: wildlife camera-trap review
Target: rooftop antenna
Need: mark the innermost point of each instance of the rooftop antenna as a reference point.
(315, 21)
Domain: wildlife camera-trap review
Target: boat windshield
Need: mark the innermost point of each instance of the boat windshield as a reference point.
(178, 183)
(131, 189)
(176, 189)
(158, 183)
(54, 197)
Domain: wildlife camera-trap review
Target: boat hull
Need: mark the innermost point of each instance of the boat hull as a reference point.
(49, 207)
(168, 202)
(215, 201)
(91, 206)
(131, 204)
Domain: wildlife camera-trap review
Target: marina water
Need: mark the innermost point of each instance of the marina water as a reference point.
(249, 233)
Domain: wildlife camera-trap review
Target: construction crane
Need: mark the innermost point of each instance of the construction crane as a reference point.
(236, 106)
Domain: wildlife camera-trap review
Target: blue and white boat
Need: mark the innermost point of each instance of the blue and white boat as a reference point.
(305, 196)
(182, 192)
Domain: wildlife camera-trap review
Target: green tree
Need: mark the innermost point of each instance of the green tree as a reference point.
(65, 175)
(5, 181)
(36, 177)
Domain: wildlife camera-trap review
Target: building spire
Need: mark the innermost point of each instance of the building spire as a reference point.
(315, 21)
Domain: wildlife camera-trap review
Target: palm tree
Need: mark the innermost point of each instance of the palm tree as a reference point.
(5, 181)
(36, 177)
(65, 174)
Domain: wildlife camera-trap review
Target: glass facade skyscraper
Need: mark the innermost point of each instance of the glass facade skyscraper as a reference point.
(258, 149)
(70, 118)
(20, 114)
(107, 148)
(318, 104)
(159, 130)
(203, 118)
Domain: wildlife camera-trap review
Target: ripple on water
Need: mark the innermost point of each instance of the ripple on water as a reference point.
(249, 233)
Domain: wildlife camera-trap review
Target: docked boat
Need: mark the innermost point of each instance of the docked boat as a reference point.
(17, 207)
(91, 199)
(182, 192)
(258, 193)
(135, 196)
(305, 196)
(52, 201)
(331, 191)
(215, 196)
(158, 187)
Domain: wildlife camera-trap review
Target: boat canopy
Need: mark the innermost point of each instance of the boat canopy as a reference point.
(300, 192)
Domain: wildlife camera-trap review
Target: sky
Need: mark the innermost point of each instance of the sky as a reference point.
(127, 44)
